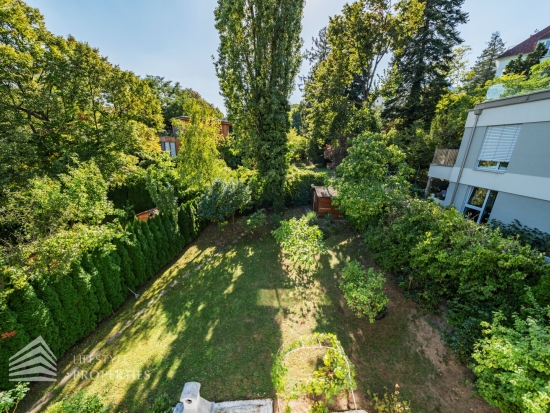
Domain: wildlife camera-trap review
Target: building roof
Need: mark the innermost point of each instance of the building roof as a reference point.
(527, 46)
(325, 191)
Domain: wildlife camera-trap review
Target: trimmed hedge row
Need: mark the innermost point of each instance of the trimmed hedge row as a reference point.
(439, 255)
(298, 186)
(134, 194)
(65, 308)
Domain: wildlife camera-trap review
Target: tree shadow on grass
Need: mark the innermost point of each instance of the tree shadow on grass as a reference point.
(201, 320)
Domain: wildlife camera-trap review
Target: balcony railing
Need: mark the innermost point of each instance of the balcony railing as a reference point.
(445, 157)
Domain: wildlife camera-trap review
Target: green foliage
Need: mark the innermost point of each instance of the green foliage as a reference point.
(63, 103)
(373, 179)
(52, 205)
(300, 243)
(161, 404)
(199, 161)
(515, 84)
(534, 237)
(175, 100)
(80, 403)
(420, 67)
(255, 221)
(390, 403)
(10, 398)
(223, 199)
(162, 183)
(336, 375)
(258, 60)
(132, 195)
(523, 65)
(297, 146)
(512, 365)
(484, 68)
(297, 186)
(341, 89)
(364, 291)
(440, 254)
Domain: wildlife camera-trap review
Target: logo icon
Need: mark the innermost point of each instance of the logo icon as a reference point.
(35, 362)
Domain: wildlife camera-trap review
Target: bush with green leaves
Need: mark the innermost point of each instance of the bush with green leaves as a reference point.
(65, 304)
(161, 404)
(301, 243)
(512, 364)
(298, 183)
(364, 291)
(255, 221)
(390, 403)
(372, 179)
(80, 403)
(222, 200)
(439, 254)
(10, 399)
(534, 237)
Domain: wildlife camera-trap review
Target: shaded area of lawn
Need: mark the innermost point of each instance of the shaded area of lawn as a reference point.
(223, 309)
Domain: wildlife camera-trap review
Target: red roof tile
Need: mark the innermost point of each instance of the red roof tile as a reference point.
(527, 46)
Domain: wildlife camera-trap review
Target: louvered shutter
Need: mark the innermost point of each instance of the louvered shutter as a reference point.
(499, 143)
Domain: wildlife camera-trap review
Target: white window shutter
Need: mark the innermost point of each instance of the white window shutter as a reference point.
(499, 143)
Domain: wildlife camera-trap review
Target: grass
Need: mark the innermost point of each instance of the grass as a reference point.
(223, 309)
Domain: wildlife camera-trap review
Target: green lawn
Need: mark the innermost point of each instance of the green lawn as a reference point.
(223, 309)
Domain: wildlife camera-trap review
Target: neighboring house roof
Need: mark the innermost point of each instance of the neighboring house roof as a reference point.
(527, 46)
(187, 118)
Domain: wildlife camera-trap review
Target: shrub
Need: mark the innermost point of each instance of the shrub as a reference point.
(223, 199)
(334, 376)
(80, 403)
(255, 221)
(439, 254)
(534, 237)
(390, 403)
(10, 398)
(161, 404)
(298, 186)
(300, 243)
(512, 365)
(373, 179)
(364, 291)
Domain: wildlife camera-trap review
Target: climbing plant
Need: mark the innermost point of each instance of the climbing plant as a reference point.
(336, 375)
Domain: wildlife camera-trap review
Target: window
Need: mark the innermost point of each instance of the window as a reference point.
(497, 147)
(169, 146)
(546, 42)
(479, 204)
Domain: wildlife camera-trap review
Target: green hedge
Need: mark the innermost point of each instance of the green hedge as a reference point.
(65, 308)
(132, 194)
(439, 255)
(298, 186)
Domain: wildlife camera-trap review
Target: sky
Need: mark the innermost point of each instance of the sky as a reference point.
(176, 39)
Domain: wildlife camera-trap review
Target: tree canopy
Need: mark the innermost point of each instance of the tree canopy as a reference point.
(258, 60)
(62, 103)
(418, 77)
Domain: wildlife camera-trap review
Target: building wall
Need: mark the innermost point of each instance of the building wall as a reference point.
(531, 155)
(524, 189)
(501, 64)
(533, 213)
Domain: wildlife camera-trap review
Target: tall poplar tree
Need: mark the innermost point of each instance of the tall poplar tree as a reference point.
(420, 67)
(258, 60)
(484, 68)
